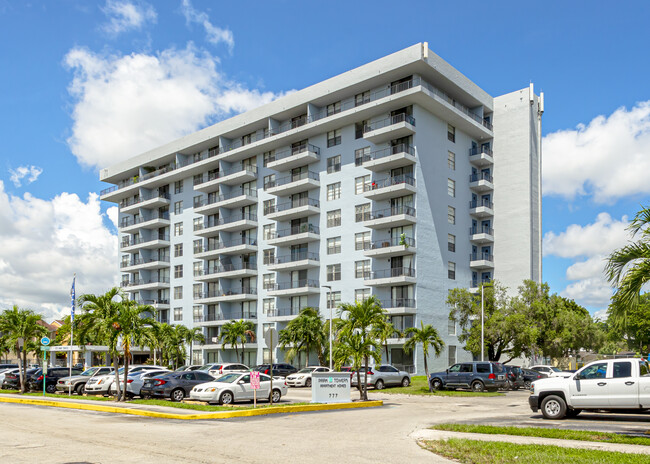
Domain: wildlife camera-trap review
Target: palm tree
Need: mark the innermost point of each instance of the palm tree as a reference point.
(383, 332)
(428, 336)
(21, 325)
(355, 348)
(234, 332)
(363, 318)
(305, 332)
(628, 268)
(190, 336)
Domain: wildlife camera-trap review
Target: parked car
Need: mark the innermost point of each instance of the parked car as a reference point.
(478, 376)
(515, 377)
(77, 383)
(101, 384)
(280, 370)
(530, 376)
(193, 367)
(4, 372)
(551, 371)
(8, 366)
(383, 376)
(216, 369)
(50, 378)
(175, 385)
(302, 378)
(135, 381)
(12, 381)
(234, 387)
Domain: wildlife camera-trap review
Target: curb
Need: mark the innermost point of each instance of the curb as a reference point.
(209, 415)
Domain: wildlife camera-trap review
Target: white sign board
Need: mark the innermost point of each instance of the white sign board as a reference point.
(330, 387)
(65, 348)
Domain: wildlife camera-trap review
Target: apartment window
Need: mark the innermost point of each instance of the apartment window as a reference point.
(197, 223)
(334, 191)
(268, 231)
(333, 245)
(451, 351)
(359, 184)
(268, 306)
(451, 215)
(451, 187)
(246, 139)
(362, 241)
(362, 212)
(268, 281)
(362, 98)
(361, 269)
(197, 179)
(269, 206)
(269, 157)
(197, 310)
(198, 246)
(178, 314)
(451, 242)
(451, 270)
(197, 267)
(334, 218)
(333, 272)
(197, 201)
(196, 291)
(333, 300)
(361, 294)
(361, 155)
(178, 271)
(334, 138)
(178, 250)
(334, 164)
(178, 207)
(451, 133)
(451, 160)
(178, 293)
(269, 256)
(334, 108)
(269, 181)
(451, 327)
(178, 229)
(178, 187)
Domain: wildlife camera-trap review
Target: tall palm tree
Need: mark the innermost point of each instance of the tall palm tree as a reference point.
(362, 318)
(356, 348)
(628, 268)
(383, 332)
(189, 336)
(305, 332)
(21, 324)
(428, 336)
(235, 332)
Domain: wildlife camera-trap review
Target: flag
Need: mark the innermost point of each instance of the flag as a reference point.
(72, 298)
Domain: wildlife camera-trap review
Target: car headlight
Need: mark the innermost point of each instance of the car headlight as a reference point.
(213, 389)
(301, 377)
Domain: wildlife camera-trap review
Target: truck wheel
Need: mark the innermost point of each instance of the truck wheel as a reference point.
(436, 384)
(571, 413)
(553, 407)
(478, 386)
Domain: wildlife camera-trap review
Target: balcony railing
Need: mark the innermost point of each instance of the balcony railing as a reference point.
(136, 282)
(152, 302)
(141, 198)
(138, 261)
(401, 148)
(140, 240)
(226, 196)
(388, 212)
(301, 229)
(296, 151)
(398, 303)
(293, 257)
(478, 282)
(480, 176)
(388, 273)
(226, 292)
(479, 203)
(129, 221)
(481, 256)
(278, 312)
(478, 151)
(228, 244)
(402, 117)
(291, 204)
(226, 268)
(226, 220)
(226, 172)
(302, 283)
(388, 182)
(291, 178)
(481, 230)
(228, 317)
(390, 242)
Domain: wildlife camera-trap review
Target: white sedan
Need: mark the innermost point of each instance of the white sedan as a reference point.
(135, 381)
(302, 378)
(101, 384)
(231, 388)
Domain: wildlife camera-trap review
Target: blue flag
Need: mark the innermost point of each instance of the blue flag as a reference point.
(72, 298)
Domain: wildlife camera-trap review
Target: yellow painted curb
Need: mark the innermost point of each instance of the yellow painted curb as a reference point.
(213, 415)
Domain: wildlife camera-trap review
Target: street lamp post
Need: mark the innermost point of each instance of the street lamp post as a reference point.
(482, 322)
(329, 297)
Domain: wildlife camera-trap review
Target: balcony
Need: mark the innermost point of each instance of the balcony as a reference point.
(481, 260)
(129, 205)
(481, 182)
(154, 221)
(294, 157)
(234, 176)
(399, 306)
(142, 263)
(236, 222)
(235, 199)
(481, 209)
(481, 234)
(390, 187)
(395, 127)
(295, 288)
(393, 276)
(223, 295)
(295, 262)
(295, 209)
(481, 156)
(294, 235)
(389, 217)
(242, 245)
(210, 318)
(139, 243)
(389, 158)
(282, 314)
(394, 246)
(156, 304)
(226, 271)
(145, 284)
(291, 184)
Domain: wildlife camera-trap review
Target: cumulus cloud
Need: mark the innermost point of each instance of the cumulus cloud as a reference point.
(125, 105)
(28, 174)
(588, 246)
(45, 242)
(125, 15)
(214, 34)
(608, 158)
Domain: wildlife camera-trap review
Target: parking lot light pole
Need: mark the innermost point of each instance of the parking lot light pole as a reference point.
(329, 299)
(482, 322)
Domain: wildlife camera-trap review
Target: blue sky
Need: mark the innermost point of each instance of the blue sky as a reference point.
(77, 89)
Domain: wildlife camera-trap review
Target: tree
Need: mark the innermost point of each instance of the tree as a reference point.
(428, 337)
(303, 333)
(190, 336)
(21, 325)
(355, 348)
(385, 330)
(633, 328)
(235, 332)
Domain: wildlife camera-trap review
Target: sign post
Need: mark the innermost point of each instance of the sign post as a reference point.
(44, 342)
(271, 339)
(255, 385)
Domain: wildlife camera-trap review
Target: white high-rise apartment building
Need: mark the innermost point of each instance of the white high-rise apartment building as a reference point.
(400, 179)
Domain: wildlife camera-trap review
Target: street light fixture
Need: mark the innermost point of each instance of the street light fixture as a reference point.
(329, 297)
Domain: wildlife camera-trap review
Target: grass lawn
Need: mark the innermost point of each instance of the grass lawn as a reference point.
(482, 452)
(544, 432)
(419, 386)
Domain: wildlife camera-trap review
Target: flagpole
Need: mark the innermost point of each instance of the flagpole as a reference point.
(72, 298)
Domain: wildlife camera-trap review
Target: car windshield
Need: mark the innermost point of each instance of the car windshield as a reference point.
(306, 370)
(228, 378)
(555, 369)
(89, 372)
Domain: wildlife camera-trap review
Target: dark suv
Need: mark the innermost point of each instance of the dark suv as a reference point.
(281, 370)
(35, 382)
(478, 376)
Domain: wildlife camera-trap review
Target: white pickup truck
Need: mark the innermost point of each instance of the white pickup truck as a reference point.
(616, 384)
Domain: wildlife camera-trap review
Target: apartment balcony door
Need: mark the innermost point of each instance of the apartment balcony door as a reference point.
(299, 199)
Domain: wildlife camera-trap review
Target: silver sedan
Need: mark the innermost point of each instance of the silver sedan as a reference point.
(384, 376)
(231, 388)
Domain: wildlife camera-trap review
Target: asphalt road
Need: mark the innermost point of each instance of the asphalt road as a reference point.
(31, 434)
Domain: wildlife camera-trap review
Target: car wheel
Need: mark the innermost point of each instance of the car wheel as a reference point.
(478, 386)
(571, 413)
(528, 384)
(275, 396)
(436, 384)
(308, 383)
(50, 388)
(177, 395)
(510, 386)
(80, 389)
(379, 384)
(226, 398)
(553, 407)
(406, 382)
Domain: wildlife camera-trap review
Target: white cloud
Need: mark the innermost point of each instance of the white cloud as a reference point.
(125, 105)
(27, 173)
(608, 158)
(125, 15)
(45, 242)
(214, 34)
